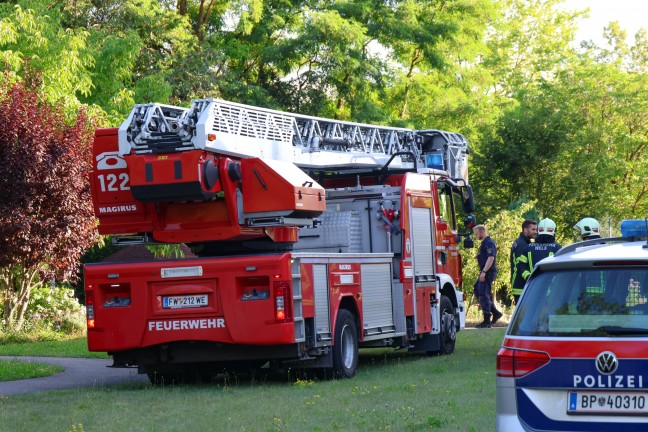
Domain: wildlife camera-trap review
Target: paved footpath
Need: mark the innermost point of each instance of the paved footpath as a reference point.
(79, 372)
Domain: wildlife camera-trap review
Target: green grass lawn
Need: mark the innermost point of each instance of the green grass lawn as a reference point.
(393, 391)
(13, 370)
(17, 370)
(54, 348)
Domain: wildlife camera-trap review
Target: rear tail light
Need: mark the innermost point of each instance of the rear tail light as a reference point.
(90, 310)
(283, 312)
(518, 363)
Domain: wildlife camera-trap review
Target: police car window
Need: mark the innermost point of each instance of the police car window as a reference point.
(582, 302)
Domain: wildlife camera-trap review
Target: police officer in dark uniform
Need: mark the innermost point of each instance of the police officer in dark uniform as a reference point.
(518, 249)
(486, 258)
(544, 246)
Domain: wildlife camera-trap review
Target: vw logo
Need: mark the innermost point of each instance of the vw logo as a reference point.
(607, 363)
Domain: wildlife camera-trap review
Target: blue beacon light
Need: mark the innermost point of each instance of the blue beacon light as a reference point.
(634, 228)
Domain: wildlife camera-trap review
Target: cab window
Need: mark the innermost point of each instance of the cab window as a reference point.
(447, 205)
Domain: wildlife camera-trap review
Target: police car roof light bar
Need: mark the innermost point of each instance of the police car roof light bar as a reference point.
(634, 228)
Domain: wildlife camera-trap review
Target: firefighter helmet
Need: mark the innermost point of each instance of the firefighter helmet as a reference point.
(547, 227)
(588, 228)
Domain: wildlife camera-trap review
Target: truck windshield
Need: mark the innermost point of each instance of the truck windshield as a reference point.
(607, 301)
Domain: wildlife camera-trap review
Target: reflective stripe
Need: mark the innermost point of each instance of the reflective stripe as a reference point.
(529, 266)
(520, 259)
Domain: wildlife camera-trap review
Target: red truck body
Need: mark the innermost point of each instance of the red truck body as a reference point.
(380, 267)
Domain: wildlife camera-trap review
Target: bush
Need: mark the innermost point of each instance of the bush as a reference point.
(55, 309)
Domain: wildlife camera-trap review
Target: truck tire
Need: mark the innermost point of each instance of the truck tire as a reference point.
(345, 348)
(448, 331)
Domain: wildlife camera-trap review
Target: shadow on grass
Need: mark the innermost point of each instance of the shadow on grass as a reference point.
(371, 361)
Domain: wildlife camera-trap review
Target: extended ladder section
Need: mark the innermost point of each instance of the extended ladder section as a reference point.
(309, 142)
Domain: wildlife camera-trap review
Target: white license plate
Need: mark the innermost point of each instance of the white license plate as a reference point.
(583, 402)
(184, 301)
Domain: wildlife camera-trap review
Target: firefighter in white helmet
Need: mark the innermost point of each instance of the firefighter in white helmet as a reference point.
(544, 246)
(588, 228)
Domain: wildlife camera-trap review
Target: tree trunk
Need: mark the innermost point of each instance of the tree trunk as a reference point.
(416, 57)
(341, 101)
(403, 111)
(29, 280)
(6, 289)
(182, 7)
(16, 285)
(204, 12)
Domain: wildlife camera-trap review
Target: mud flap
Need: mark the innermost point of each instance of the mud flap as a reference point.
(427, 343)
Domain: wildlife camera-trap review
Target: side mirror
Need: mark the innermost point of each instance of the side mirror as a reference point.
(470, 221)
(468, 243)
(467, 199)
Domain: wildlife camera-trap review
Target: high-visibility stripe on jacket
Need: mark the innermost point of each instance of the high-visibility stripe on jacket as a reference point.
(534, 253)
(518, 249)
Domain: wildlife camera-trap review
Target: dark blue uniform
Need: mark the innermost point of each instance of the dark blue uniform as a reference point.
(545, 246)
(518, 249)
(482, 290)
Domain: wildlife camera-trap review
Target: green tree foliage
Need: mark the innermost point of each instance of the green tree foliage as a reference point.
(576, 144)
(437, 45)
(136, 46)
(46, 216)
(504, 228)
(31, 31)
(529, 42)
(573, 134)
(333, 61)
(255, 51)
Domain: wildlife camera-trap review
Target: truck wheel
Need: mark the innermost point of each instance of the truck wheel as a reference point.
(448, 331)
(345, 349)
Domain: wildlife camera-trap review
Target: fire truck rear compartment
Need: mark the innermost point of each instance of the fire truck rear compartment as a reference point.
(230, 302)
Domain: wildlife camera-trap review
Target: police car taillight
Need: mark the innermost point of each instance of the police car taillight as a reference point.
(518, 363)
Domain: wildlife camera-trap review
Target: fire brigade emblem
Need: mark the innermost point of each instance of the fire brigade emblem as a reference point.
(110, 160)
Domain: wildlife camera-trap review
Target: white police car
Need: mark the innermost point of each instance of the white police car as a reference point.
(575, 354)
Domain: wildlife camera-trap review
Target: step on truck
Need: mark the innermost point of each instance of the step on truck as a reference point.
(310, 238)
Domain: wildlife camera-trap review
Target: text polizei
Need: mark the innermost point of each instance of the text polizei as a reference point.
(608, 381)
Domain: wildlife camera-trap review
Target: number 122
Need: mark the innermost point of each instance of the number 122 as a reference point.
(109, 182)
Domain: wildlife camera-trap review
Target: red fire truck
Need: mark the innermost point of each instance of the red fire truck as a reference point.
(311, 237)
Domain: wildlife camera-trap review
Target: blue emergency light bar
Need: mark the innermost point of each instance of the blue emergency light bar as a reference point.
(434, 160)
(634, 228)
